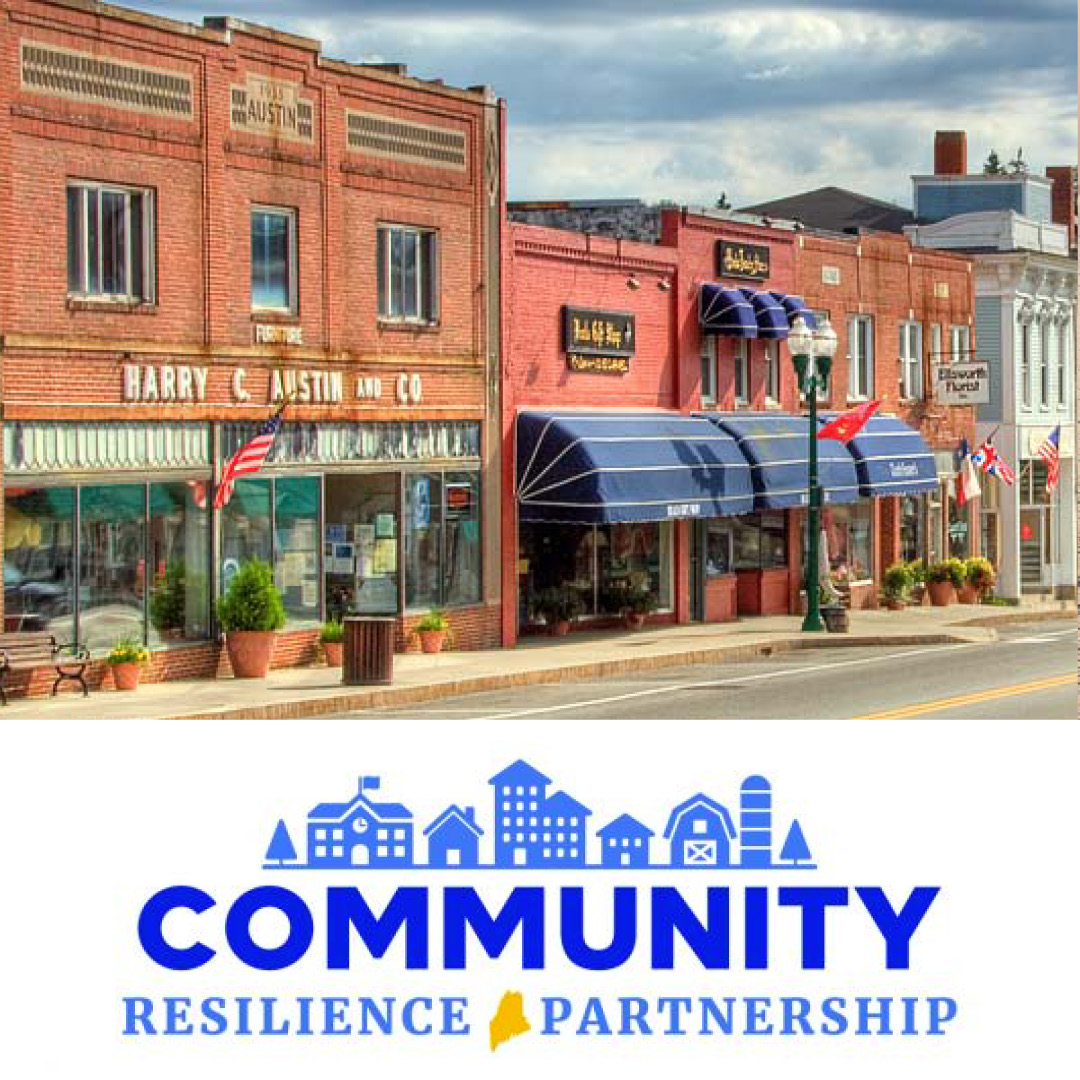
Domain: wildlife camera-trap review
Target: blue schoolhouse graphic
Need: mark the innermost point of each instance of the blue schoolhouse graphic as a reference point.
(533, 827)
(454, 838)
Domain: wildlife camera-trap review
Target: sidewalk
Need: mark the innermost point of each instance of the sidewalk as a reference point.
(318, 691)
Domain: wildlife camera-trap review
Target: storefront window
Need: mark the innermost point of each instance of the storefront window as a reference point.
(423, 539)
(634, 556)
(179, 562)
(849, 535)
(296, 546)
(719, 548)
(959, 540)
(912, 527)
(760, 542)
(245, 527)
(112, 564)
(39, 560)
(461, 492)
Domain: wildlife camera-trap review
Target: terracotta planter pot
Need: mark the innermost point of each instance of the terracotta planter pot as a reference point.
(942, 593)
(431, 641)
(250, 652)
(894, 605)
(633, 620)
(126, 676)
(969, 594)
(335, 652)
(560, 628)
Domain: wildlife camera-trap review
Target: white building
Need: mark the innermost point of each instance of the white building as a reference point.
(1025, 330)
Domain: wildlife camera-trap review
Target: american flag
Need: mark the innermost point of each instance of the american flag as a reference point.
(991, 463)
(249, 459)
(1050, 453)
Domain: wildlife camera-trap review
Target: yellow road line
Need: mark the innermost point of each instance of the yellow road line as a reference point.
(971, 699)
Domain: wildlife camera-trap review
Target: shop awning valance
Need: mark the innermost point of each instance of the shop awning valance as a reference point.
(627, 466)
(771, 317)
(726, 311)
(892, 458)
(776, 445)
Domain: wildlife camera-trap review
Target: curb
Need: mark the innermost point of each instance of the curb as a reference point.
(416, 695)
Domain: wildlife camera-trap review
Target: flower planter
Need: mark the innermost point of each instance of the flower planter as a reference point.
(335, 651)
(633, 620)
(431, 641)
(893, 604)
(250, 652)
(126, 676)
(969, 594)
(559, 628)
(942, 593)
(837, 619)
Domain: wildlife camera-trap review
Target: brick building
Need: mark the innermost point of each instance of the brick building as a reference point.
(200, 223)
(712, 296)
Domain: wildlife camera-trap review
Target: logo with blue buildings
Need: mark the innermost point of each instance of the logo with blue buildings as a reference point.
(532, 827)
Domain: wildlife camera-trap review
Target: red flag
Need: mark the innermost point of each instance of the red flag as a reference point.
(847, 425)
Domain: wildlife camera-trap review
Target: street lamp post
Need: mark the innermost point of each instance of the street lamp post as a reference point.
(812, 354)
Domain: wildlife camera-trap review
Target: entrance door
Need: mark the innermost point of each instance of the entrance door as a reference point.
(1034, 548)
(697, 570)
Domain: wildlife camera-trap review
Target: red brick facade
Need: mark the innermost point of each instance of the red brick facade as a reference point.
(64, 358)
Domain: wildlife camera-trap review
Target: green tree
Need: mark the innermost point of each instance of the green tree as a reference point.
(993, 166)
(722, 203)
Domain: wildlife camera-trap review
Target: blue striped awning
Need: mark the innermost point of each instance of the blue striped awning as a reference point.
(777, 447)
(772, 319)
(627, 466)
(726, 311)
(795, 306)
(891, 457)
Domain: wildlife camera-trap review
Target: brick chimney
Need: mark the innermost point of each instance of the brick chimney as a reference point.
(1063, 209)
(950, 153)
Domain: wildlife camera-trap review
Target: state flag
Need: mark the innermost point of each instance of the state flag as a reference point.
(848, 424)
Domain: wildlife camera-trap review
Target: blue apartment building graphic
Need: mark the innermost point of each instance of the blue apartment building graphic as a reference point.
(533, 827)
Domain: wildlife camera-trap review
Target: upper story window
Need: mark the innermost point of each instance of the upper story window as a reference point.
(1064, 344)
(860, 357)
(960, 344)
(1025, 365)
(911, 381)
(110, 232)
(772, 372)
(742, 371)
(407, 274)
(1045, 332)
(273, 259)
(708, 369)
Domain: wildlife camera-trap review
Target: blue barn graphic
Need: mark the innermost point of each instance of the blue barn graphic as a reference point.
(624, 842)
(454, 838)
(360, 832)
(700, 831)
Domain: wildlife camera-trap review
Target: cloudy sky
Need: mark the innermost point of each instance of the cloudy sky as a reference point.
(685, 99)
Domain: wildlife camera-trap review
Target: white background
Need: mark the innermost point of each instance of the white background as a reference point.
(98, 816)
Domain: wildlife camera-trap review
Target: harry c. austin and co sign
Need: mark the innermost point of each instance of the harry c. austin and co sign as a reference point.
(598, 341)
(742, 260)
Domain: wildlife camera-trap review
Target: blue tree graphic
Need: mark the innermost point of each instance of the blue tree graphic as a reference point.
(795, 849)
(281, 847)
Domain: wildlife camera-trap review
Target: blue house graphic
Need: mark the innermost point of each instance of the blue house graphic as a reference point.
(532, 828)
(360, 832)
(454, 838)
(624, 842)
(700, 831)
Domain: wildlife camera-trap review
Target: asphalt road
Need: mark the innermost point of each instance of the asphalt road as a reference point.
(1030, 673)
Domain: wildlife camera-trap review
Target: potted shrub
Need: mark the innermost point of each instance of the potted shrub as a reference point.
(558, 605)
(979, 579)
(897, 585)
(126, 660)
(433, 630)
(251, 613)
(943, 580)
(919, 593)
(332, 639)
(636, 604)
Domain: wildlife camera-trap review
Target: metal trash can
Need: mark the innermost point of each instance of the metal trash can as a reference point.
(368, 656)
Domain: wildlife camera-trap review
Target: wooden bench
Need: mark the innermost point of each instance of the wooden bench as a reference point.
(32, 649)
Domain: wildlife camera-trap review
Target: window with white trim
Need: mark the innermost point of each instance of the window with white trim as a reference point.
(821, 316)
(407, 266)
(708, 370)
(960, 344)
(273, 259)
(742, 371)
(1025, 365)
(1064, 343)
(1045, 331)
(110, 242)
(860, 357)
(911, 382)
(936, 356)
(772, 372)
